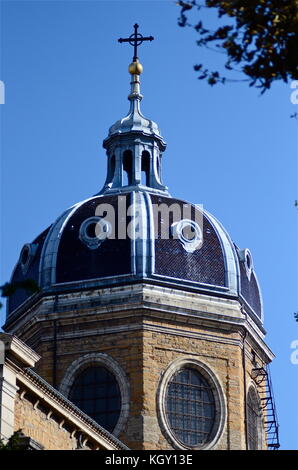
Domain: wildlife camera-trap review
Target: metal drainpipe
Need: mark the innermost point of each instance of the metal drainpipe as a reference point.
(245, 391)
(55, 354)
(54, 372)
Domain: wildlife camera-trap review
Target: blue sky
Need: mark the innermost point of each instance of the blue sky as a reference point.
(229, 148)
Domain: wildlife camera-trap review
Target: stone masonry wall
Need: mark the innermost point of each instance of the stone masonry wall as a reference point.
(46, 431)
(160, 350)
(144, 355)
(144, 344)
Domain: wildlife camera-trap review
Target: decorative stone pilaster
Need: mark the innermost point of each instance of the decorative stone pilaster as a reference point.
(12, 351)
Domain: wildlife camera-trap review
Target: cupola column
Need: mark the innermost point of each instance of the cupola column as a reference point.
(117, 180)
(137, 163)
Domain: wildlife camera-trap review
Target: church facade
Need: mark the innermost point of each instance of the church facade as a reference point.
(148, 325)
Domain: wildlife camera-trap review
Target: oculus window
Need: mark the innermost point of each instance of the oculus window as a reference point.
(190, 407)
(191, 404)
(96, 392)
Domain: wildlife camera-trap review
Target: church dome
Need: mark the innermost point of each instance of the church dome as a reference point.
(134, 231)
(198, 256)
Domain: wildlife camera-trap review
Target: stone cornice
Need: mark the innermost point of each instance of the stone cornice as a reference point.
(124, 285)
(145, 327)
(226, 325)
(20, 350)
(143, 299)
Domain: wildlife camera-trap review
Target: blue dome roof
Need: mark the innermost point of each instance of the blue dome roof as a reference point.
(69, 256)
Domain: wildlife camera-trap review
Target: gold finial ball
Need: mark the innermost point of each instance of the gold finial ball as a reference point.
(135, 68)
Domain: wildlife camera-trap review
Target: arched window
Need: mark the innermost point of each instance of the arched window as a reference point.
(158, 166)
(253, 420)
(111, 168)
(145, 180)
(127, 168)
(190, 407)
(96, 392)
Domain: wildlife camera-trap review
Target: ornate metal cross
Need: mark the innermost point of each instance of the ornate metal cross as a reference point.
(135, 40)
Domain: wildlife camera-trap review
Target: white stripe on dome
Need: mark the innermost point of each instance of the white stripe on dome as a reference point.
(151, 234)
(140, 242)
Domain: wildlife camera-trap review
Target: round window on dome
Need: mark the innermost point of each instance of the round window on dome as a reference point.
(91, 230)
(189, 233)
(27, 254)
(94, 231)
(246, 258)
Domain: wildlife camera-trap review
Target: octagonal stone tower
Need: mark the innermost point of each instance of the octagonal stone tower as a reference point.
(149, 318)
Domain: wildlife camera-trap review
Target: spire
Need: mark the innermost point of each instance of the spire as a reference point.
(134, 144)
